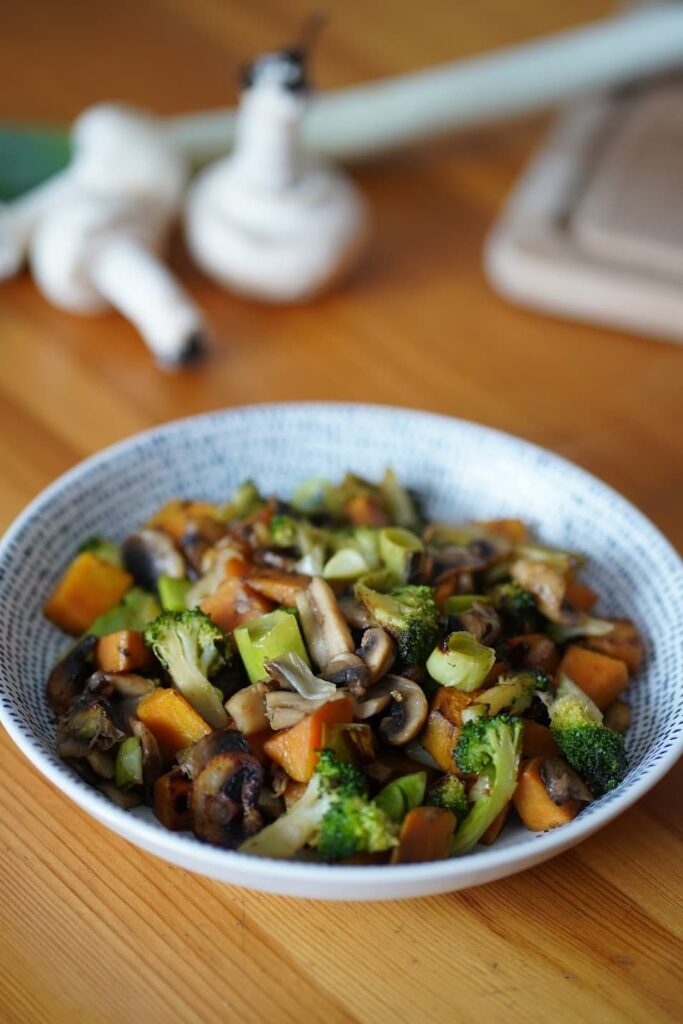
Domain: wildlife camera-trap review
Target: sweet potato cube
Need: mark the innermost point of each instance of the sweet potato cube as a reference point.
(173, 722)
(601, 677)
(123, 651)
(425, 835)
(533, 802)
(296, 749)
(89, 587)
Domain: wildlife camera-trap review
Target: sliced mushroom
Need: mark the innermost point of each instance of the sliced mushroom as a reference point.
(225, 798)
(102, 764)
(323, 624)
(481, 620)
(378, 651)
(562, 783)
(285, 708)
(68, 677)
(200, 535)
(152, 765)
(407, 705)
(194, 759)
(123, 684)
(127, 799)
(149, 554)
(355, 614)
(349, 671)
(292, 673)
(88, 725)
(548, 585)
(247, 708)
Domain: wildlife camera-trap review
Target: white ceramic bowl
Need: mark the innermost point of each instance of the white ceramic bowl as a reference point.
(463, 470)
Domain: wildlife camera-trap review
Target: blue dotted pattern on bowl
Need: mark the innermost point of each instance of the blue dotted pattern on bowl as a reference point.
(462, 470)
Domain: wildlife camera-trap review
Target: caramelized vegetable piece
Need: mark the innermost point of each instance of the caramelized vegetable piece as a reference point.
(233, 604)
(623, 642)
(171, 720)
(617, 716)
(124, 651)
(364, 510)
(425, 835)
(89, 587)
(537, 740)
(174, 517)
(296, 749)
(280, 587)
(513, 530)
(68, 676)
(534, 650)
(496, 827)
(533, 803)
(601, 677)
(444, 722)
(247, 709)
(580, 596)
(172, 796)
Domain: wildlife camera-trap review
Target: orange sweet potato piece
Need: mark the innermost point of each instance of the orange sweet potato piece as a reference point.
(233, 603)
(363, 510)
(496, 826)
(623, 642)
(89, 587)
(172, 721)
(513, 530)
(538, 741)
(123, 651)
(174, 517)
(443, 725)
(425, 835)
(533, 803)
(601, 677)
(172, 796)
(580, 596)
(296, 749)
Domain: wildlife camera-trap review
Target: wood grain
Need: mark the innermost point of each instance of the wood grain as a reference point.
(93, 930)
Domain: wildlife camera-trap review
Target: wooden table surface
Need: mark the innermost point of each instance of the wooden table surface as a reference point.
(93, 930)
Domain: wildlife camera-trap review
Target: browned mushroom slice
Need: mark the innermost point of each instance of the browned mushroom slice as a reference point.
(247, 708)
(194, 759)
(355, 613)
(482, 621)
(149, 554)
(200, 535)
(562, 783)
(152, 765)
(68, 677)
(407, 708)
(349, 671)
(285, 708)
(547, 584)
(123, 684)
(378, 651)
(224, 800)
(87, 726)
(102, 764)
(325, 628)
(127, 799)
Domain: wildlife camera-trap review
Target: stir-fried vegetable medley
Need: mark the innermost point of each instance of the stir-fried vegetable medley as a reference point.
(332, 677)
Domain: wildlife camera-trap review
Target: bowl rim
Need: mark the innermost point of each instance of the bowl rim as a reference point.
(264, 871)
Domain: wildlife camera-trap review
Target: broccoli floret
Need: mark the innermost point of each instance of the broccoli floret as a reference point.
(409, 614)
(489, 748)
(515, 691)
(449, 792)
(192, 649)
(596, 753)
(517, 609)
(333, 815)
